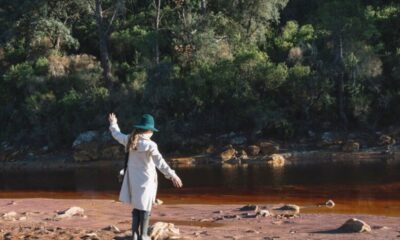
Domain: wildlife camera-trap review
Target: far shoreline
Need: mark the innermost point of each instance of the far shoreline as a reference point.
(63, 160)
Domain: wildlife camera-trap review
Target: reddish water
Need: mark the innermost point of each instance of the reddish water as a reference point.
(366, 189)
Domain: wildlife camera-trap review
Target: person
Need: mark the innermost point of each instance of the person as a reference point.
(139, 185)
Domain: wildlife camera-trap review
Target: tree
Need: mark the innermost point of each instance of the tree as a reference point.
(343, 23)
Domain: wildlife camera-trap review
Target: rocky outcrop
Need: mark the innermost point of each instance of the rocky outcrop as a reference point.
(355, 225)
(253, 150)
(351, 146)
(232, 138)
(385, 140)
(10, 153)
(267, 148)
(183, 160)
(238, 140)
(330, 140)
(95, 145)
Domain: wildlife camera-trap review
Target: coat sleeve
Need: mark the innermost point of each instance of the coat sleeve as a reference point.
(160, 162)
(117, 135)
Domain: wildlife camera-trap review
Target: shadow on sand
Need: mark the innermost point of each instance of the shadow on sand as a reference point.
(123, 238)
(340, 230)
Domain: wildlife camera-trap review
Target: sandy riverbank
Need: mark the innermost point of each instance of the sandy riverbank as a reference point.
(195, 221)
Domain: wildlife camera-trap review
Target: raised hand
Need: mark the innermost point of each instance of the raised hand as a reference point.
(177, 182)
(112, 118)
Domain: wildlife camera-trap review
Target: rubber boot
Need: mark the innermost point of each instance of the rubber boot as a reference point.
(144, 225)
(135, 224)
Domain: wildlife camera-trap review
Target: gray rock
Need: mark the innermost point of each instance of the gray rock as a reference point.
(327, 136)
(250, 207)
(90, 236)
(264, 213)
(94, 145)
(351, 146)
(112, 228)
(290, 207)
(268, 148)
(85, 137)
(355, 225)
(253, 150)
(250, 215)
(239, 140)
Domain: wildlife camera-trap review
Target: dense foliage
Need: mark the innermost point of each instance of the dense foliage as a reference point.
(275, 67)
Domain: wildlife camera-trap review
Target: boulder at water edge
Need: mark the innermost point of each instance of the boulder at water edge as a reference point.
(253, 150)
(268, 148)
(228, 154)
(94, 145)
(351, 146)
(277, 160)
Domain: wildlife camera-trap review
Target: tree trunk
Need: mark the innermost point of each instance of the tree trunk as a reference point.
(157, 27)
(340, 82)
(203, 5)
(57, 44)
(104, 56)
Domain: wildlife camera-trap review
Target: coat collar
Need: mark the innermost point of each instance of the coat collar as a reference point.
(146, 135)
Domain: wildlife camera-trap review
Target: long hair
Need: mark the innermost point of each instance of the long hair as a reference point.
(133, 139)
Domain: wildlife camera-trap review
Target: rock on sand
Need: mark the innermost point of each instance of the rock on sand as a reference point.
(163, 230)
(72, 211)
(355, 225)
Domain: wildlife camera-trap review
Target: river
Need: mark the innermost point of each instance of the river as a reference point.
(372, 188)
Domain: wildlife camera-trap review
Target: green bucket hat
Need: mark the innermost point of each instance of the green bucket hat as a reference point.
(147, 122)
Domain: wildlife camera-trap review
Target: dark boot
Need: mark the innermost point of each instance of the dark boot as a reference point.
(144, 225)
(135, 224)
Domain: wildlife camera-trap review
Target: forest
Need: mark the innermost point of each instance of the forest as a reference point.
(278, 68)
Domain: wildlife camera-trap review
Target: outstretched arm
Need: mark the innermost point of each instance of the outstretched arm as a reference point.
(115, 131)
(163, 166)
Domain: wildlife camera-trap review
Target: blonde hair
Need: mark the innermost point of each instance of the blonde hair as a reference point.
(133, 139)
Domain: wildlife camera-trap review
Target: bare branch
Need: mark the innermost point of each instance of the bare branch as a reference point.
(111, 21)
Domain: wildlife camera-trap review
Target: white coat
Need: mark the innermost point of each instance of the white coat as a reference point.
(139, 186)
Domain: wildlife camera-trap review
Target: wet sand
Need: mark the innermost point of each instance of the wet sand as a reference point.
(195, 221)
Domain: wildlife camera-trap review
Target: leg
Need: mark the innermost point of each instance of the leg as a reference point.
(135, 224)
(144, 225)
